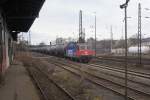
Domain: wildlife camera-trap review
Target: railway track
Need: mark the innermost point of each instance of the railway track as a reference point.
(120, 73)
(135, 94)
(133, 76)
(131, 60)
(112, 84)
(116, 69)
(130, 71)
(47, 86)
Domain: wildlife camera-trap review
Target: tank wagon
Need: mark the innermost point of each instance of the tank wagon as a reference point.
(144, 50)
(133, 50)
(74, 51)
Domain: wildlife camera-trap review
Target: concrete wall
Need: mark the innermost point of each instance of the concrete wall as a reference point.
(5, 35)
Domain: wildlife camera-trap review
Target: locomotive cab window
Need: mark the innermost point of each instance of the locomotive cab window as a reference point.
(83, 47)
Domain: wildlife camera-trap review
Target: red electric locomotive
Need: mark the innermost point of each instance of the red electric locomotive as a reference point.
(79, 51)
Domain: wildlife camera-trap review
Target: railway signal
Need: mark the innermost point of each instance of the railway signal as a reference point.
(124, 6)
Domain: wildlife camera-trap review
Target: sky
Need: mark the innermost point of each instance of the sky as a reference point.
(60, 18)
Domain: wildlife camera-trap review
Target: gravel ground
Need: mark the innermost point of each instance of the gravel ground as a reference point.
(77, 86)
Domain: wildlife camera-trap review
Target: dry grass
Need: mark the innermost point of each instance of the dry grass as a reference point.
(78, 87)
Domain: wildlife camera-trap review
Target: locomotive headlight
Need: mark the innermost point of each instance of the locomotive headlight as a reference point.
(86, 52)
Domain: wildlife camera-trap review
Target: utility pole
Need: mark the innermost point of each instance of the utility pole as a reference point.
(124, 6)
(139, 35)
(50, 43)
(95, 35)
(22, 37)
(84, 34)
(111, 36)
(29, 37)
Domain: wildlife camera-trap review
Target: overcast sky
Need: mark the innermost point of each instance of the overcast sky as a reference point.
(59, 18)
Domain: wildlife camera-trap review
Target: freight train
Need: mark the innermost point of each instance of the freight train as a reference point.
(74, 51)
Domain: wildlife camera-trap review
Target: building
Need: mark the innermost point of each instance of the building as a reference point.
(15, 16)
(103, 46)
(60, 41)
(146, 42)
(91, 43)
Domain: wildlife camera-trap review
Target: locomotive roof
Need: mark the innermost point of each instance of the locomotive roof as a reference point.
(82, 43)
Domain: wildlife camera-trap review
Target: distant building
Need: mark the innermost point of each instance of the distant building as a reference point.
(146, 42)
(118, 51)
(60, 41)
(91, 43)
(102, 46)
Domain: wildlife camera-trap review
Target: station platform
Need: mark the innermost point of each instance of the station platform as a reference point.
(18, 84)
